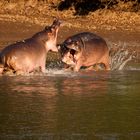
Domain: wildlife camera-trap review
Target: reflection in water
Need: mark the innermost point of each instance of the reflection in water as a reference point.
(33, 85)
(87, 105)
(82, 86)
(55, 84)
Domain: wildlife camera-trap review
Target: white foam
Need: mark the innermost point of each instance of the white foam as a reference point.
(132, 68)
(120, 57)
(57, 72)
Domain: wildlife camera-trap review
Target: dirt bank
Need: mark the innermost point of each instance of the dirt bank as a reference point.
(99, 20)
(41, 12)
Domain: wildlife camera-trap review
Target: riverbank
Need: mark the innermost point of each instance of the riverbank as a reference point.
(100, 20)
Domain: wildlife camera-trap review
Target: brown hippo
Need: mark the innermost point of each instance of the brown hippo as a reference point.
(30, 54)
(85, 49)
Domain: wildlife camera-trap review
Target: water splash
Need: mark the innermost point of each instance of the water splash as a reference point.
(57, 64)
(57, 68)
(120, 55)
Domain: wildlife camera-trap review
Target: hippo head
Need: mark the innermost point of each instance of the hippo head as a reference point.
(75, 44)
(52, 32)
(68, 58)
(69, 51)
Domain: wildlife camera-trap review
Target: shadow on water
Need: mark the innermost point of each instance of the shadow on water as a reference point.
(62, 105)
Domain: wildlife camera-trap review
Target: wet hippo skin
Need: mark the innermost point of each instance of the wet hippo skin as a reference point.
(30, 54)
(85, 49)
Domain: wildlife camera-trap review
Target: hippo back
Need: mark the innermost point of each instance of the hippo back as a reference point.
(82, 41)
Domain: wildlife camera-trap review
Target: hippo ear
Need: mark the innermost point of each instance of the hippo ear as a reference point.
(56, 23)
(69, 40)
(77, 45)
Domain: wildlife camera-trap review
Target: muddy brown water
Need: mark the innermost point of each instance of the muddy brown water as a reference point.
(62, 105)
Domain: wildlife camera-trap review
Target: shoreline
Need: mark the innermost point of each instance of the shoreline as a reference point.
(106, 20)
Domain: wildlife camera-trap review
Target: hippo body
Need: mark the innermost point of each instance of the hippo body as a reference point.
(30, 54)
(85, 49)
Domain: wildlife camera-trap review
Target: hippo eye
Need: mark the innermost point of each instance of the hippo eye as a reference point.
(76, 43)
(47, 27)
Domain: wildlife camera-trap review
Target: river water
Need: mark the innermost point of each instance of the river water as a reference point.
(62, 105)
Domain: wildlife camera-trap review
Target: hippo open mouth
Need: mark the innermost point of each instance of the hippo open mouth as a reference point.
(72, 51)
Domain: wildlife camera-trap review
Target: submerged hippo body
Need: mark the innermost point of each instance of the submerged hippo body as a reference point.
(30, 54)
(85, 49)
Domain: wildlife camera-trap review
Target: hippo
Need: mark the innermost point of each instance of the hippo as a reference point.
(30, 54)
(85, 50)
